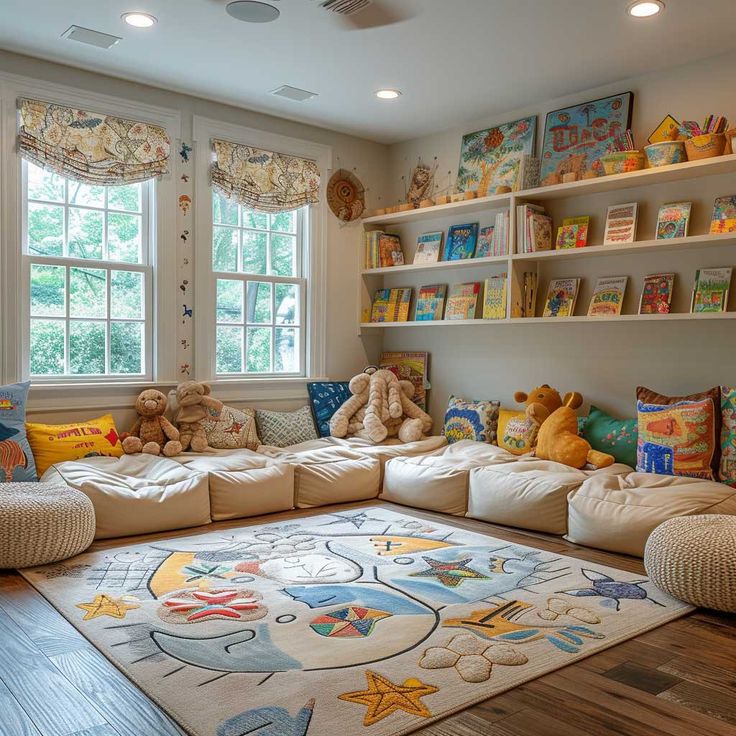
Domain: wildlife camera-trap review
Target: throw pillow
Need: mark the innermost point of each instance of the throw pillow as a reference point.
(695, 434)
(326, 397)
(16, 459)
(727, 470)
(617, 437)
(285, 428)
(54, 443)
(232, 429)
(516, 432)
(467, 419)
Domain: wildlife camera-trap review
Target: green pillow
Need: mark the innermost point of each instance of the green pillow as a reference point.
(614, 436)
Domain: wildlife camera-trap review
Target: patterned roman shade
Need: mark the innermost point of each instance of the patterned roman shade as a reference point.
(264, 180)
(91, 147)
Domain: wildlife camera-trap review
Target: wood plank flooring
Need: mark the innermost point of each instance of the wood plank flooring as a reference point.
(678, 680)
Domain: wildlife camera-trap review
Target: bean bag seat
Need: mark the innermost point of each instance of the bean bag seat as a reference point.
(137, 494)
(619, 512)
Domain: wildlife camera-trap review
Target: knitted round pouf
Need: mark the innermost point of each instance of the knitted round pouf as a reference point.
(692, 558)
(42, 523)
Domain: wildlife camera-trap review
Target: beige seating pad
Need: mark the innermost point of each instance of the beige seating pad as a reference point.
(137, 494)
(618, 512)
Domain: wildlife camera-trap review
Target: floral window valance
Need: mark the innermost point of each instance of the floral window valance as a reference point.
(91, 147)
(264, 180)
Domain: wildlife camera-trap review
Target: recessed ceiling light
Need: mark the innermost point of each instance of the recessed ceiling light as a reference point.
(139, 20)
(252, 11)
(645, 9)
(388, 94)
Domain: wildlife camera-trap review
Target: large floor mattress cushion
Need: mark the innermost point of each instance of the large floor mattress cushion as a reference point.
(619, 512)
(243, 484)
(137, 494)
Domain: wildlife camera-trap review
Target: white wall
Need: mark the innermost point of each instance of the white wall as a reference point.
(604, 361)
(346, 353)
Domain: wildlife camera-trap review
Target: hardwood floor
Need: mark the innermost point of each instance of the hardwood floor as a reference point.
(679, 679)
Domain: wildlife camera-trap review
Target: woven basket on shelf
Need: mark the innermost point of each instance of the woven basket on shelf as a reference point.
(693, 558)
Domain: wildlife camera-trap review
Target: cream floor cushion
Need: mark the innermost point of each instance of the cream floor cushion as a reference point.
(529, 493)
(619, 512)
(439, 482)
(137, 494)
(243, 483)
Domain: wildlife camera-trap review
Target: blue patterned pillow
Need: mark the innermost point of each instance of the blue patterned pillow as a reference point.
(326, 398)
(467, 419)
(16, 457)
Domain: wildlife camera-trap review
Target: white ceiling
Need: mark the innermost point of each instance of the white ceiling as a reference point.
(454, 60)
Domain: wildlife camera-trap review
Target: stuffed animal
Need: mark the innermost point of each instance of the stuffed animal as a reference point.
(152, 433)
(557, 438)
(380, 407)
(194, 404)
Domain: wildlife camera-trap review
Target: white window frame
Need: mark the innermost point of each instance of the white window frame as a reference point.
(313, 267)
(80, 392)
(300, 279)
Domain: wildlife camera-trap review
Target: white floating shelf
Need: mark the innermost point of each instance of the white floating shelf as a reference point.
(438, 265)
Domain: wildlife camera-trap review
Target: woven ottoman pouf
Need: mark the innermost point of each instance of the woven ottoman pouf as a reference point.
(42, 523)
(692, 558)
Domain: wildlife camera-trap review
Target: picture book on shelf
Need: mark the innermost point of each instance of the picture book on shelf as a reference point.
(608, 296)
(724, 215)
(462, 301)
(484, 249)
(391, 305)
(673, 220)
(429, 247)
(561, 297)
(656, 295)
(430, 302)
(410, 366)
(461, 240)
(573, 233)
(710, 292)
(621, 223)
(389, 250)
(500, 239)
(494, 297)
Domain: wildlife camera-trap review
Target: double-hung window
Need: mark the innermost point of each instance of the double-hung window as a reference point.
(259, 265)
(87, 270)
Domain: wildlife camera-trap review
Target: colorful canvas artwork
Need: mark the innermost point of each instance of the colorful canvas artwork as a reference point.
(576, 137)
(673, 220)
(461, 240)
(490, 158)
(724, 215)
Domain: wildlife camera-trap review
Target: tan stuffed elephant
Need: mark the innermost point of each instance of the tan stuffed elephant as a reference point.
(380, 407)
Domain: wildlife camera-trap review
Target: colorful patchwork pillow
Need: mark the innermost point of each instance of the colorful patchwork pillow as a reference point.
(516, 432)
(55, 443)
(326, 397)
(727, 470)
(467, 419)
(285, 428)
(679, 435)
(232, 429)
(617, 437)
(16, 459)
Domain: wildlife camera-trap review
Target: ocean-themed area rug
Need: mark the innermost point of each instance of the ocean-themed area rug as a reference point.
(362, 621)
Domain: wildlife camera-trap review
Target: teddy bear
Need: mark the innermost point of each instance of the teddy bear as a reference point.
(152, 433)
(194, 404)
(557, 437)
(381, 406)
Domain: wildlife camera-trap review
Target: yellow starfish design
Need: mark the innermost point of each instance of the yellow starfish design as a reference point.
(105, 605)
(384, 697)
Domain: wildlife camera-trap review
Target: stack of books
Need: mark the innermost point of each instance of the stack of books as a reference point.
(534, 229)
(382, 250)
(500, 239)
(391, 305)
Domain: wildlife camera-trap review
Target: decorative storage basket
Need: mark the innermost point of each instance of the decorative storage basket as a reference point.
(622, 162)
(705, 146)
(665, 153)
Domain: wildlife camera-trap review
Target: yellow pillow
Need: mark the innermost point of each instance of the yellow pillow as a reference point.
(516, 432)
(54, 443)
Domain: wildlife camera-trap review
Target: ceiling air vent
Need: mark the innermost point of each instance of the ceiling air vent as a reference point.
(90, 37)
(345, 7)
(293, 93)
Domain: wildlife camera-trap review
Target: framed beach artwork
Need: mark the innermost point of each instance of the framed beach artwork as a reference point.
(576, 137)
(490, 158)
